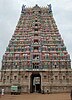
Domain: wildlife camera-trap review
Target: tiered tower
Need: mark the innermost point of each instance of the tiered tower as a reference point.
(36, 57)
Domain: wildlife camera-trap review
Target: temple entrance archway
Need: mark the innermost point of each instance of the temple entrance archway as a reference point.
(35, 83)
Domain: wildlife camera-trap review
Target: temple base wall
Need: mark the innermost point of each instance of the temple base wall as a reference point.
(51, 81)
(47, 89)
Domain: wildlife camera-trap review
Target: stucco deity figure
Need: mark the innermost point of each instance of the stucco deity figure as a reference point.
(23, 9)
(49, 8)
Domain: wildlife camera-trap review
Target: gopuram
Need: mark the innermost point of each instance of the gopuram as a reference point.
(36, 57)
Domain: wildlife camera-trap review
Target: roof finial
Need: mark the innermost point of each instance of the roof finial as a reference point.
(36, 5)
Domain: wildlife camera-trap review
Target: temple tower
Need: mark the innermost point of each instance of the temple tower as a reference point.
(36, 57)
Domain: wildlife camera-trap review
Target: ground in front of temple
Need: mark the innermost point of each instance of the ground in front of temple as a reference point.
(36, 96)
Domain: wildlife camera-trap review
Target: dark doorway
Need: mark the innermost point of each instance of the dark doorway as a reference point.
(35, 83)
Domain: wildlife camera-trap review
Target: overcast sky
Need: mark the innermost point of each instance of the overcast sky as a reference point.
(10, 11)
